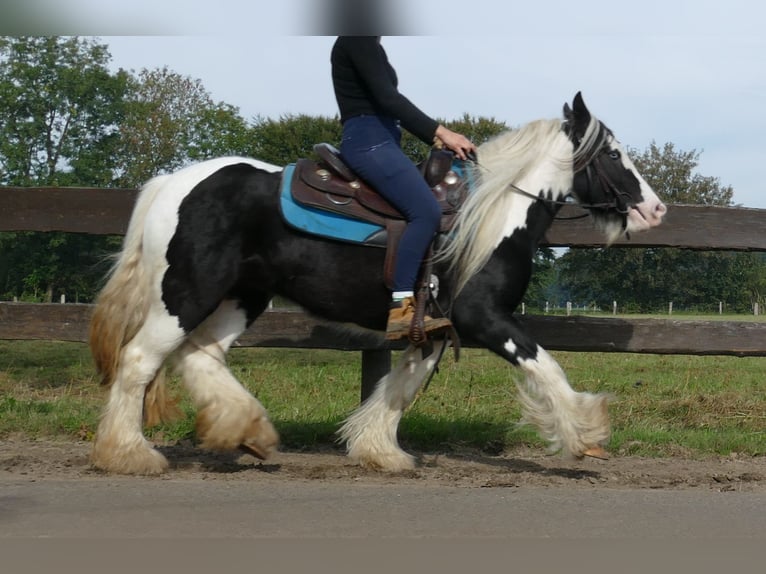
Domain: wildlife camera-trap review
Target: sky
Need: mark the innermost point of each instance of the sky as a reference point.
(689, 72)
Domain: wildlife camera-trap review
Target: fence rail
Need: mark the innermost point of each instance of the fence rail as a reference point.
(107, 211)
(293, 328)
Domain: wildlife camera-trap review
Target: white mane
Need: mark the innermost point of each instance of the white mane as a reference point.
(537, 158)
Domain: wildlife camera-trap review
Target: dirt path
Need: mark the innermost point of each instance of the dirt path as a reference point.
(44, 459)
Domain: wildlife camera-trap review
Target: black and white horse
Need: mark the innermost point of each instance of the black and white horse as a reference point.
(206, 250)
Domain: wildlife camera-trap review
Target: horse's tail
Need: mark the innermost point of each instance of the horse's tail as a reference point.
(122, 305)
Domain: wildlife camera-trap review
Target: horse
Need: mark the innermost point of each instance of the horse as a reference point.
(206, 250)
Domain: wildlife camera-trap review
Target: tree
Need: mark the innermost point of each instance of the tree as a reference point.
(671, 173)
(171, 120)
(66, 120)
(543, 284)
(59, 111)
(477, 129)
(292, 137)
(220, 131)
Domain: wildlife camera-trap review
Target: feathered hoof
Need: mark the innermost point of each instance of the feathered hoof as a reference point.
(595, 452)
(263, 439)
(388, 462)
(143, 460)
(255, 435)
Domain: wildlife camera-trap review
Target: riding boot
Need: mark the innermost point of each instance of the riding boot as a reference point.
(400, 317)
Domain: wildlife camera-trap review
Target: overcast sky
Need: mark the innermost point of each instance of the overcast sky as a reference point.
(691, 72)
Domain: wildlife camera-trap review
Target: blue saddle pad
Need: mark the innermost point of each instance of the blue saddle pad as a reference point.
(319, 222)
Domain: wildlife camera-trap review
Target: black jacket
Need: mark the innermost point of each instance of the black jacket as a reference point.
(366, 83)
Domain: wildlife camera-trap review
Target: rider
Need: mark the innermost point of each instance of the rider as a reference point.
(372, 111)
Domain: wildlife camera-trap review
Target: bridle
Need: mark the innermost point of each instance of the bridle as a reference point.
(594, 171)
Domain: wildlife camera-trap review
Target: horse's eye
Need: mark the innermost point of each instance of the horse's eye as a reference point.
(614, 154)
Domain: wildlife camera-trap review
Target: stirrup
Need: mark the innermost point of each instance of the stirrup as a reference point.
(404, 321)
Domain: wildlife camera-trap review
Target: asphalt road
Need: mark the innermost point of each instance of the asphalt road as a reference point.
(181, 509)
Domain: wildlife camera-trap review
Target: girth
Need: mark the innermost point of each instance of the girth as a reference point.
(332, 186)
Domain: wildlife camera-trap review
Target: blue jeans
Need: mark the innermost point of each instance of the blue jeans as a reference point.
(371, 147)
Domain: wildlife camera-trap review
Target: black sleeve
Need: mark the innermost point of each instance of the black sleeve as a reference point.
(372, 66)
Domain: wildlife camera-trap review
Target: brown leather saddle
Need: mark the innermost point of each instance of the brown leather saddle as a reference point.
(330, 185)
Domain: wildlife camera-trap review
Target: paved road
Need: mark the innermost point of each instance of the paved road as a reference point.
(169, 508)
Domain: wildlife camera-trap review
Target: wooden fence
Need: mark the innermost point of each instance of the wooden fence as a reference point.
(106, 211)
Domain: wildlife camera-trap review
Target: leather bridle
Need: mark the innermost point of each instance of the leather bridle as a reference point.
(594, 172)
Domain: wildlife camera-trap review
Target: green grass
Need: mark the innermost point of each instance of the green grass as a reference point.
(676, 316)
(663, 405)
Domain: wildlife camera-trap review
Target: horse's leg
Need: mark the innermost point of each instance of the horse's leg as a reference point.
(228, 415)
(577, 423)
(370, 431)
(574, 422)
(120, 445)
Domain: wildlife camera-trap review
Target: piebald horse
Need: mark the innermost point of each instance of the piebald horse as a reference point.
(206, 250)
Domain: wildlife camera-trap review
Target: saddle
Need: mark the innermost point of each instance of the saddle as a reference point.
(330, 185)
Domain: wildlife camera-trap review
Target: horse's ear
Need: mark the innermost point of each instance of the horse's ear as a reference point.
(578, 115)
(580, 109)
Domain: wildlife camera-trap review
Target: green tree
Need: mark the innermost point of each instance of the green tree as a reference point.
(219, 131)
(291, 137)
(59, 111)
(477, 129)
(672, 174)
(543, 285)
(171, 120)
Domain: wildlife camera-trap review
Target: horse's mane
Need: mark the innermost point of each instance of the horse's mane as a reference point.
(506, 160)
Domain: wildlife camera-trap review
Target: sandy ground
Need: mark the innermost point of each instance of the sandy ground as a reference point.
(44, 459)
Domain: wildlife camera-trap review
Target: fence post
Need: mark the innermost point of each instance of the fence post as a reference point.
(755, 308)
(614, 307)
(569, 308)
(523, 308)
(670, 308)
(546, 307)
(720, 307)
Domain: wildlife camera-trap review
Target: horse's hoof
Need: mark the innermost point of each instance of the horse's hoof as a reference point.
(144, 461)
(263, 439)
(256, 450)
(596, 452)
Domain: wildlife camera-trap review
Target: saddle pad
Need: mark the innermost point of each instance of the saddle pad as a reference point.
(324, 223)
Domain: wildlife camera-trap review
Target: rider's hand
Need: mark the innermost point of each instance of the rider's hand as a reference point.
(456, 142)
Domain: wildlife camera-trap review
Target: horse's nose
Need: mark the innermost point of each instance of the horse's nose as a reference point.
(654, 211)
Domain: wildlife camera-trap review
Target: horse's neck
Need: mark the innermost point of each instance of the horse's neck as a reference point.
(536, 162)
(536, 193)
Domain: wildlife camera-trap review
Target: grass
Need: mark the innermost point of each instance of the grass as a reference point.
(663, 406)
(676, 316)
